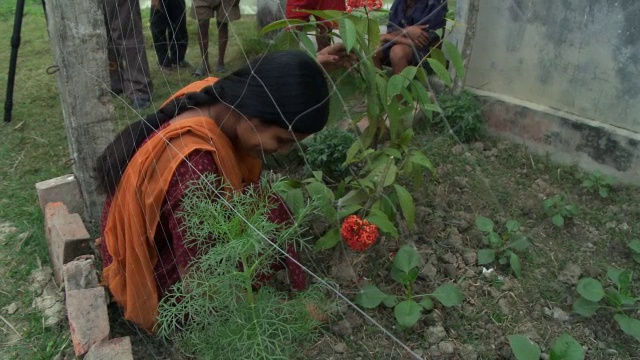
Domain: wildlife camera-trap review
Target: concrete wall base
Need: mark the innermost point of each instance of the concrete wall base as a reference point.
(567, 138)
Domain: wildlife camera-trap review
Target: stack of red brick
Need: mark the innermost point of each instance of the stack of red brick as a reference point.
(74, 266)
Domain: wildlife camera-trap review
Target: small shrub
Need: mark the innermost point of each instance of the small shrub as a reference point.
(408, 307)
(463, 117)
(558, 209)
(598, 183)
(617, 298)
(564, 348)
(502, 244)
(327, 151)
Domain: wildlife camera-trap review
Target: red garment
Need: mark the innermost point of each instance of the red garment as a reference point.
(293, 5)
(173, 254)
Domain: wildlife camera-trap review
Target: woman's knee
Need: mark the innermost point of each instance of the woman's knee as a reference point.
(400, 53)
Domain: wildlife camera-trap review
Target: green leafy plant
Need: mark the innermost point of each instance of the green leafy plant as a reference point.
(326, 151)
(384, 151)
(215, 311)
(462, 117)
(634, 245)
(408, 307)
(596, 182)
(502, 244)
(559, 210)
(564, 348)
(617, 298)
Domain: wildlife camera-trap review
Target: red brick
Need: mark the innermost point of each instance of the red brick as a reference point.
(88, 318)
(61, 189)
(67, 237)
(80, 273)
(115, 349)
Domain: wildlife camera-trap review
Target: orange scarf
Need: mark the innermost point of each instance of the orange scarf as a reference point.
(135, 209)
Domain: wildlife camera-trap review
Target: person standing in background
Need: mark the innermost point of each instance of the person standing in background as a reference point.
(169, 32)
(224, 11)
(128, 65)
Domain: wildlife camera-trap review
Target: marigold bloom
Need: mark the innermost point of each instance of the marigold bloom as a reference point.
(359, 234)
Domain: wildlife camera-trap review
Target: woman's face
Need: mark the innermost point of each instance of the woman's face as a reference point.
(260, 139)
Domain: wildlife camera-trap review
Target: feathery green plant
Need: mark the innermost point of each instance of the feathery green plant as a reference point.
(215, 310)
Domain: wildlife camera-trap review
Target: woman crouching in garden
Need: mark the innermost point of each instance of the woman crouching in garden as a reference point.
(220, 129)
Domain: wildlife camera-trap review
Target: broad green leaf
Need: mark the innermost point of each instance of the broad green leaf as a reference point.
(295, 200)
(328, 240)
(590, 289)
(353, 197)
(628, 325)
(523, 348)
(390, 301)
(514, 261)
(440, 70)
(324, 14)
(373, 35)
(571, 210)
(323, 196)
(519, 242)
(494, 239)
(348, 210)
(484, 224)
(454, 57)
(406, 259)
(427, 303)
(604, 192)
(438, 56)
(281, 24)
(614, 298)
(395, 85)
(585, 307)
(512, 226)
(486, 256)
(407, 313)
(448, 295)
(348, 33)
(370, 296)
(351, 153)
(385, 173)
(635, 245)
(307, 43)
(566, 348)
(421, 159)
(404, 278)
(381, 220)
(636, 258)
(409, 73)
(614, 276)
(406, 204)
(558, 220)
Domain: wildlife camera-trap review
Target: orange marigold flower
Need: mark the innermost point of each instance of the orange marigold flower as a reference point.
(359, 234)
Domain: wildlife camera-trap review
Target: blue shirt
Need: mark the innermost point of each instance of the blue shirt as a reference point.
(424, 12)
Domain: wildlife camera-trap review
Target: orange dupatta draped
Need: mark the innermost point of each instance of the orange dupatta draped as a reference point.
(135, 209)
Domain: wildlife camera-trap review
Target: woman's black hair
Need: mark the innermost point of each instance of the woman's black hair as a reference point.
(287, 89)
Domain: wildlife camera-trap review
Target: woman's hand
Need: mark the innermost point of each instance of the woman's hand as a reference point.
(418, 34)
(335, 56)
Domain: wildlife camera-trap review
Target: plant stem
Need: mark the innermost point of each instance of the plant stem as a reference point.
(248, 283)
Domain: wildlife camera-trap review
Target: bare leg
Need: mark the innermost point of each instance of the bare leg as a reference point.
(223, 39)
(203, 37)
(400, 56)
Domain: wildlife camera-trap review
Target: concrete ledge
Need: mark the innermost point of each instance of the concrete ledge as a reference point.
(567, 138)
